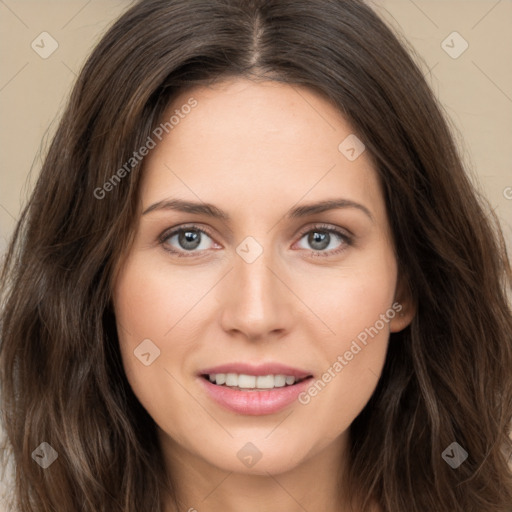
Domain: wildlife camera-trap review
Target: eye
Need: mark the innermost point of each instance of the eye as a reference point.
(185, 240)
(322, 237)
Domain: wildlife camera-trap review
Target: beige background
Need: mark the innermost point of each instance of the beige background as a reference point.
(475, 89)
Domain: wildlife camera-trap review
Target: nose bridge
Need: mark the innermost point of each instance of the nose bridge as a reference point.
(255, 281)
(254, 273)
(255, 303)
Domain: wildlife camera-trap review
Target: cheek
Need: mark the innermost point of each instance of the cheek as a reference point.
(349, 299)
(146, 308)
(358, 306)
(360, 303)
(165, 304)
(156, 301)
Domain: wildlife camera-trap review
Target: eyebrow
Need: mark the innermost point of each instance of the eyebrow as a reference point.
(212, 211)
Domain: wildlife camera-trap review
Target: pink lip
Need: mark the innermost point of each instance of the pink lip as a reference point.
(263, 369)
(254, 403)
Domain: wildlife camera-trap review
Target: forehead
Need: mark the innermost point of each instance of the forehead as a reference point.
(246, 141)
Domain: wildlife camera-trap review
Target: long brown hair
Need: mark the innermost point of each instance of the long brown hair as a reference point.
(447, 377)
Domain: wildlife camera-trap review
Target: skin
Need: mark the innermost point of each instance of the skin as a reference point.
(255, 150)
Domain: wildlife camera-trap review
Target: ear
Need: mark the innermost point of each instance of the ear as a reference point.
(404, 306)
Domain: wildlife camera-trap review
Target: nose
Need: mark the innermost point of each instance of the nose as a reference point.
(256, 300)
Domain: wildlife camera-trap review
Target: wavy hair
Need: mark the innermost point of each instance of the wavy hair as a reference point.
(447, 377)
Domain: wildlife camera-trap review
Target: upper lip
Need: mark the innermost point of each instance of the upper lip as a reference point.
(262, 369)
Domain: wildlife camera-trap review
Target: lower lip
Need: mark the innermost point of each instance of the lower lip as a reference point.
(255, 403)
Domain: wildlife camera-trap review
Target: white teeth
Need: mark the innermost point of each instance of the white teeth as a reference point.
(290, 380)
(251, 381)
(279, 381)
(265, 382)
(246, 381)
(231, 379)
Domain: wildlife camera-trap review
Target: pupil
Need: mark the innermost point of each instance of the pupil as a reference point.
(319, 238)
(189, 239)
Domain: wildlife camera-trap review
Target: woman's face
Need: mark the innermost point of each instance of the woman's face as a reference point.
(260, 282)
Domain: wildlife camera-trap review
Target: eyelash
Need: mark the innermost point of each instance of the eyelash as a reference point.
(347, 240)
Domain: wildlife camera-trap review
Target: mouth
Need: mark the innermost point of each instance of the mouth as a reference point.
(254, 390)
(245, 382)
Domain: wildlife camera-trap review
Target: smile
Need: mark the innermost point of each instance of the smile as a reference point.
(244, 382)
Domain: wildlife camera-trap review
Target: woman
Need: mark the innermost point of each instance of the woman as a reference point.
(254, 275)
